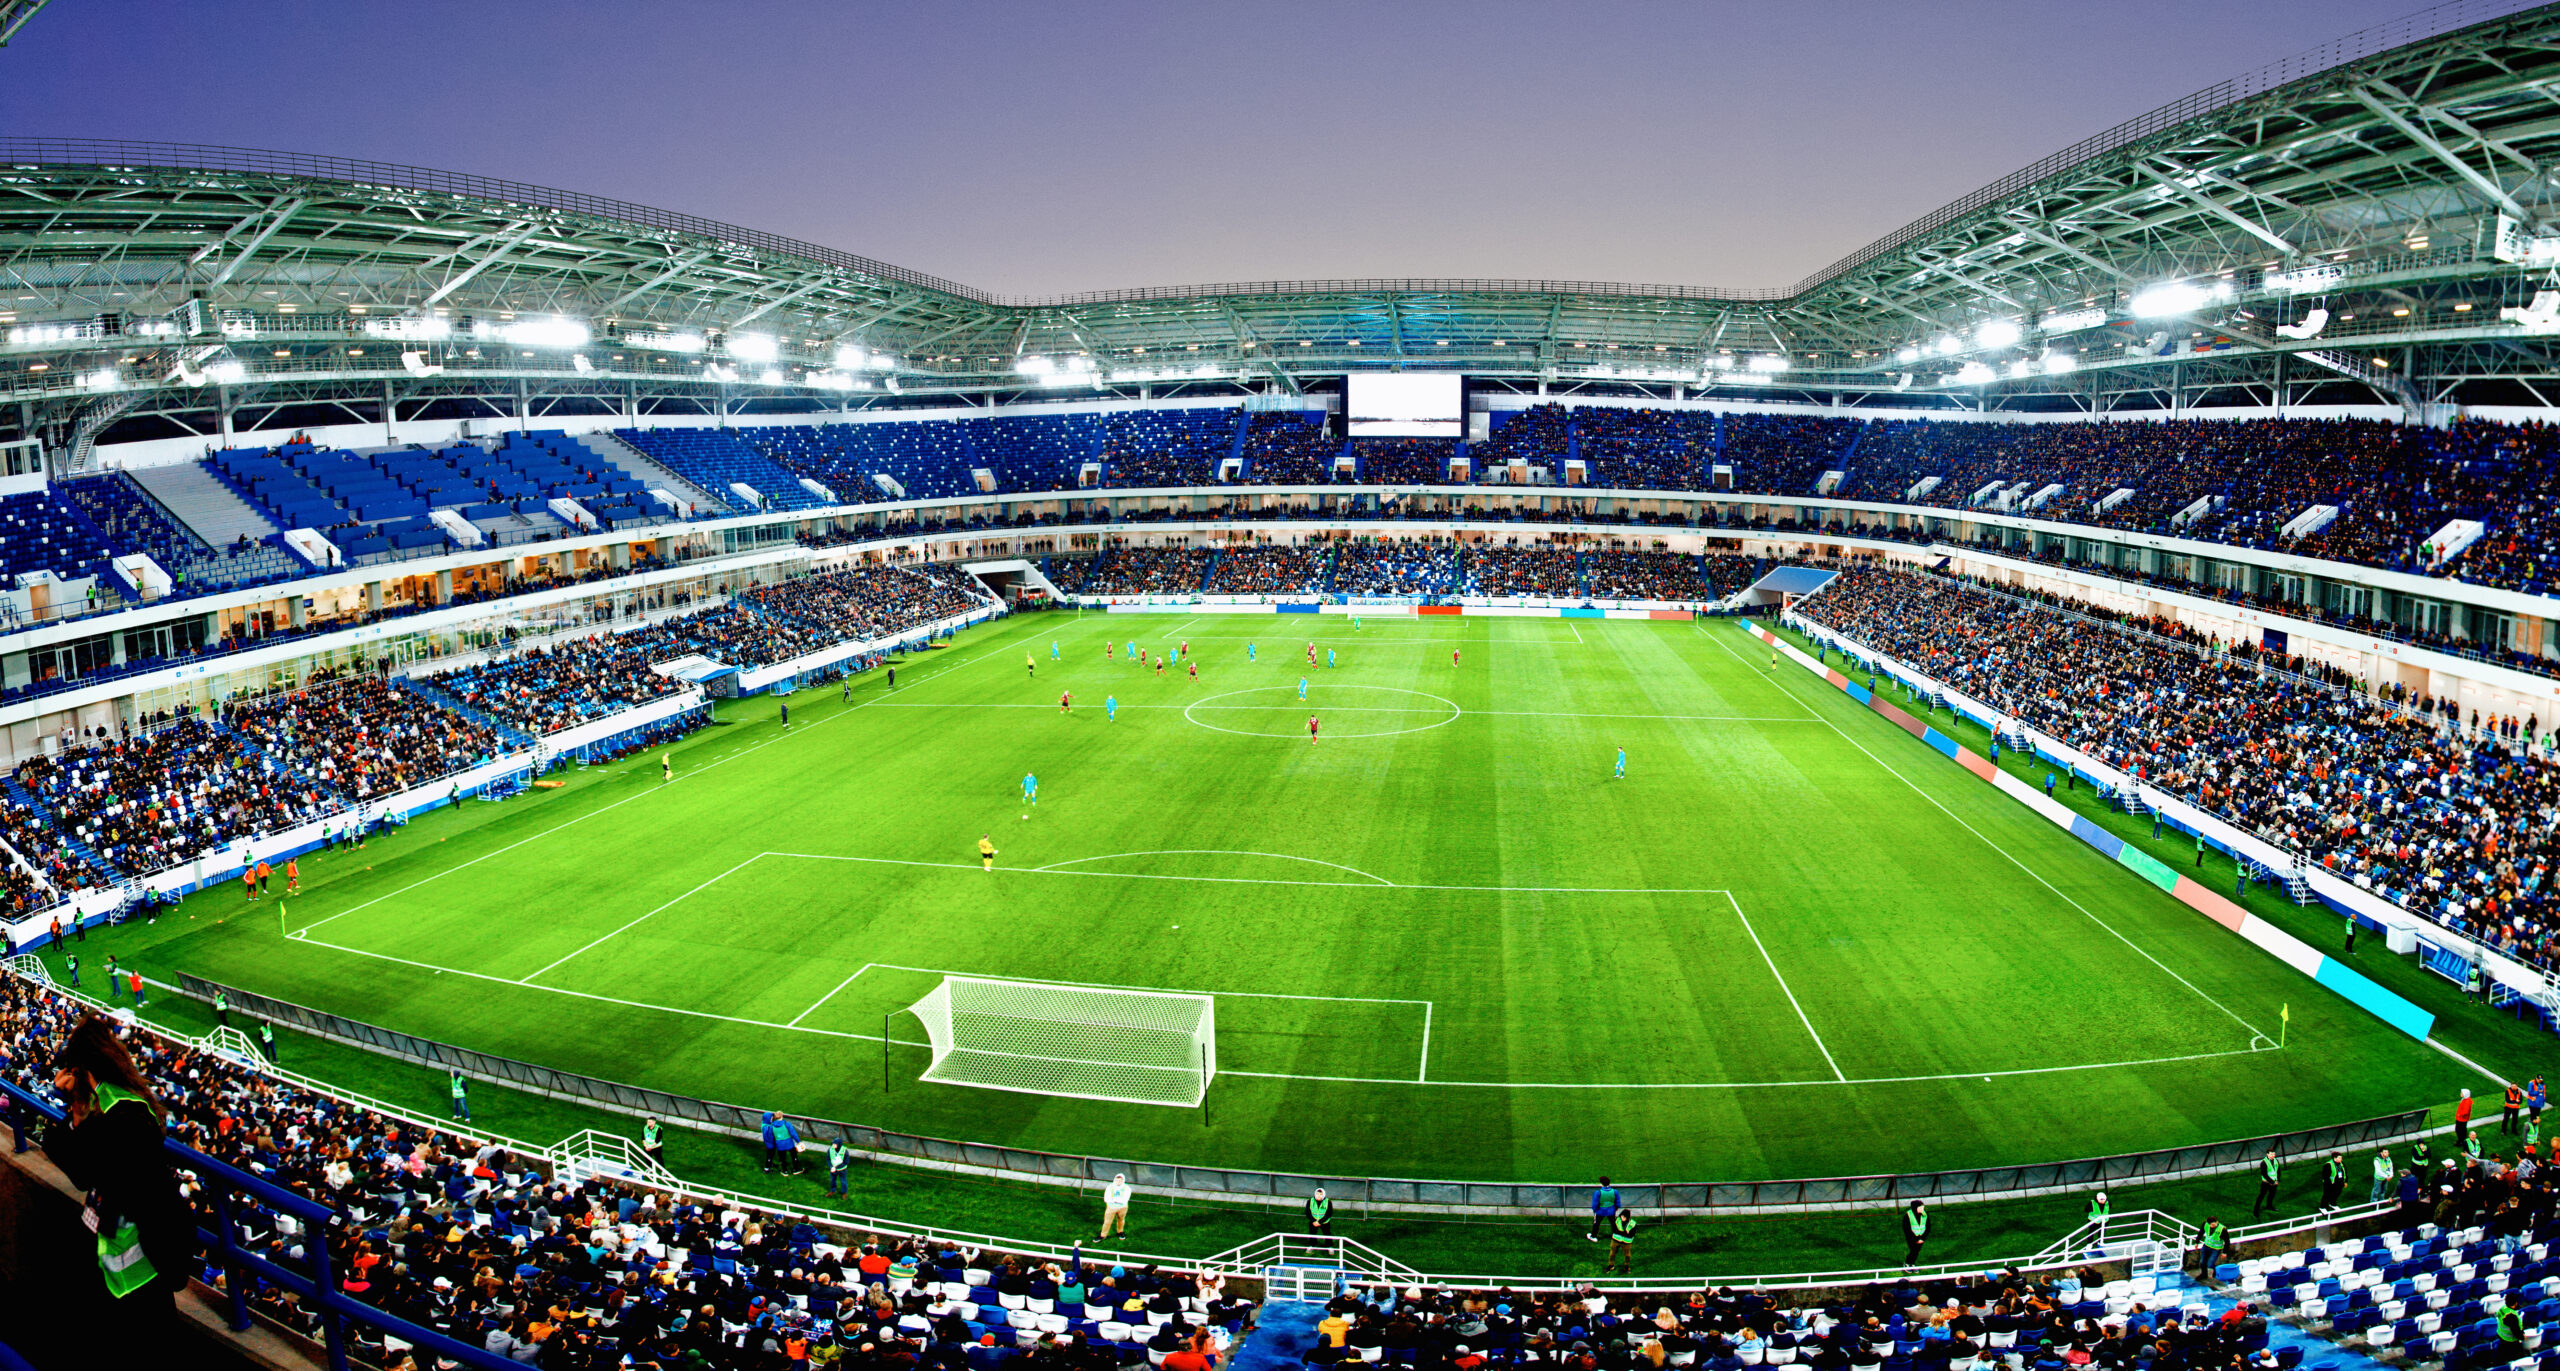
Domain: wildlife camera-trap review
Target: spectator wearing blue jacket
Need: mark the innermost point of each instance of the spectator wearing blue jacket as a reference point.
(1604, 1207)
(781, 1144)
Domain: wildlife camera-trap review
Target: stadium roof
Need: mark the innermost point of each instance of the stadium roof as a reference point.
(2394, 187)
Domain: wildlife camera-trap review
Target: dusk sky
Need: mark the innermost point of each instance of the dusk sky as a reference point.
(1039, 148)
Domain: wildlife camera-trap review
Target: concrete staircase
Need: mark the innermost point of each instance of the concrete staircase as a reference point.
(204, 505)
(648, 471)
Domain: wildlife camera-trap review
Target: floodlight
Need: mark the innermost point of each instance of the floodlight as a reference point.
(553, 331)
(1908, 355)
(104, 378)
(2071, 320)
(753, 347)
(666, 342)
(1035, 366)
(1997, 333)
(2304, 280)
(713, 371)
(422, 328)
(1949, 344)
(2056, 363)
(1974, 374)
(849, 358)
(1767, 362)
(2177, 297)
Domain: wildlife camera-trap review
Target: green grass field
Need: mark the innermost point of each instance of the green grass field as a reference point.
(1444, 942)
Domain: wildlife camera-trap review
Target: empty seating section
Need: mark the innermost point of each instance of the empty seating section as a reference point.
(1037, 453)
(364, 739)
(715, 459)
(148, 802)
(923, 460)
(1288, 447)
(41, 531)
(1167, 447)
(132, 521)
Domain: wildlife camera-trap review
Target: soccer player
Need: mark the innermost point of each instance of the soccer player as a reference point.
(1186, 647)
(1111, 709)
(1248, 652)
(1312, 727)
(1453, 656)
(1773, 659)
(1065, 698)
(292, 876)
(1030, 789)
(248, 878)
(1195, 668)
(666, 767)
(986, 852)
(1110, 650)
(1622, 764)
(1302, 687)
(1144, 656)
(1159, 668)
(1133, 649)
(1355, 623)
(1311, 652)
(1029, 667)
(1053, 649)
(1328, 659)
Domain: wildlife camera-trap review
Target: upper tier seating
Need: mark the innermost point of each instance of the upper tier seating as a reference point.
(41, 531)
(716, 458)
(132, 521)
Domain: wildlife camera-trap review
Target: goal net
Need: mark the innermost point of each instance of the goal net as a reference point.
(1135, 1046)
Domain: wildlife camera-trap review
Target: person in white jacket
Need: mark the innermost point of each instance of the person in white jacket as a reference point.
(1115, 1206)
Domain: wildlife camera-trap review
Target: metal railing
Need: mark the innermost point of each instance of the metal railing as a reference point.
(1355, 1193)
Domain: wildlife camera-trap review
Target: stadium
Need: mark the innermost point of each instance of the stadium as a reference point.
(1994, 804)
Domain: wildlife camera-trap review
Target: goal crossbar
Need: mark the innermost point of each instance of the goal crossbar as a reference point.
(1072, 1041)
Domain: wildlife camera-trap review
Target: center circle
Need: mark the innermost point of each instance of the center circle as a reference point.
(1288, 713)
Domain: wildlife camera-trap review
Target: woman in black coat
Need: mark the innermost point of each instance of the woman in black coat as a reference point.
(111, 1148)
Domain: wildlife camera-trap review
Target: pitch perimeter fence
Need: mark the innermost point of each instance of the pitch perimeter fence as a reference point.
(1369, 1194)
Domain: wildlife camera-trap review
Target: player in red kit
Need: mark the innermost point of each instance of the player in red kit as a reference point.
(1453, 656)
(1311, 730)
(1065, 698)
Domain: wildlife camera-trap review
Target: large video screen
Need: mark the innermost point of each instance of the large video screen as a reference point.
(1428, 404)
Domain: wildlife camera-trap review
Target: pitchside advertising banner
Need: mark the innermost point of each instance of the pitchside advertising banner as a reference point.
(2274, 941)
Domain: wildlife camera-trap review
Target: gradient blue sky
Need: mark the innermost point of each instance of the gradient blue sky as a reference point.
(1034, 148)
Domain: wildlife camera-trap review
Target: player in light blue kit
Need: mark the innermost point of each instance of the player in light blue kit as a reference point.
(1302, 687)
(1248, 652)
(1053, 650)
(1111, 709)
(1622, 764)
(1030, 789)
(1328, 657)
(1133, 649)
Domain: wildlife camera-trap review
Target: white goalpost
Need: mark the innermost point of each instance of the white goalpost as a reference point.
(1084, 1042)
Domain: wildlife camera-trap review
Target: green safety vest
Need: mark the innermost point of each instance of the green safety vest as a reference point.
(1916, 1222)
(221, 1003)
(2382, 1166)
(2271, 1168)
(2213, 1240)
(1319, 1208)
(2418, 1154)
(649, 1134)
(121, 1261)
(2097, 1211)
(2337, 1170)
(836, 1155)
(457, 1087)
(2533, 1132)
(2511, 1325)
(267, 1034)
(1622, 1228)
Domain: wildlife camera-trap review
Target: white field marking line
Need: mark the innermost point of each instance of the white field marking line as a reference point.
(1177, 628)
(635, 923)
(1783, 987)
(720, 760)
(1150, 989)
(1577, 631)
(1422, 1071)
(1395, 709)
(822, 999)
(2493, 1077)
(2005, 853)
(1266, 880)
(1290, 1076)
(1214, 852)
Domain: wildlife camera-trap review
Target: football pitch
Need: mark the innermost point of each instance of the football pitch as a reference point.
(1444, 940)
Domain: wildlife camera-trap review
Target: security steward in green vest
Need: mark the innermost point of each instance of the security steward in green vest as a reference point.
(1319, 1212)
(2333, 1180)
(267, 1040)
(2270, 1170)
(2510, 1334)
(221, 1009)
(2098, 1208)
(2210, 1247)
(1622, 1242)
(839, 1157)
(1915, 1231)
(653, 1142)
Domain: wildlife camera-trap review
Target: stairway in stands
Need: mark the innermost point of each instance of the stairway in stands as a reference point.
(441, 699)
(648, 471)
(206, 506)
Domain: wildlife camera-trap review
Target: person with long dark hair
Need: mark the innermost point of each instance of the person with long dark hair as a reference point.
(111, 1147)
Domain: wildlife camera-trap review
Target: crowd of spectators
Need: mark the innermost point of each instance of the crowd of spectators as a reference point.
(1270, 571)
(1288, 448)
(1166, 447)
(1142, 571)
(1785, 454)
(364, 738)
(1406, 461)
(555, 686)
(854, 604)
(1647, 576)
(1397, 567)
(487, 1247)
(1645, 449)
(2456, 819)
(147, 801)
(1547, 572)
(1540, 436)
